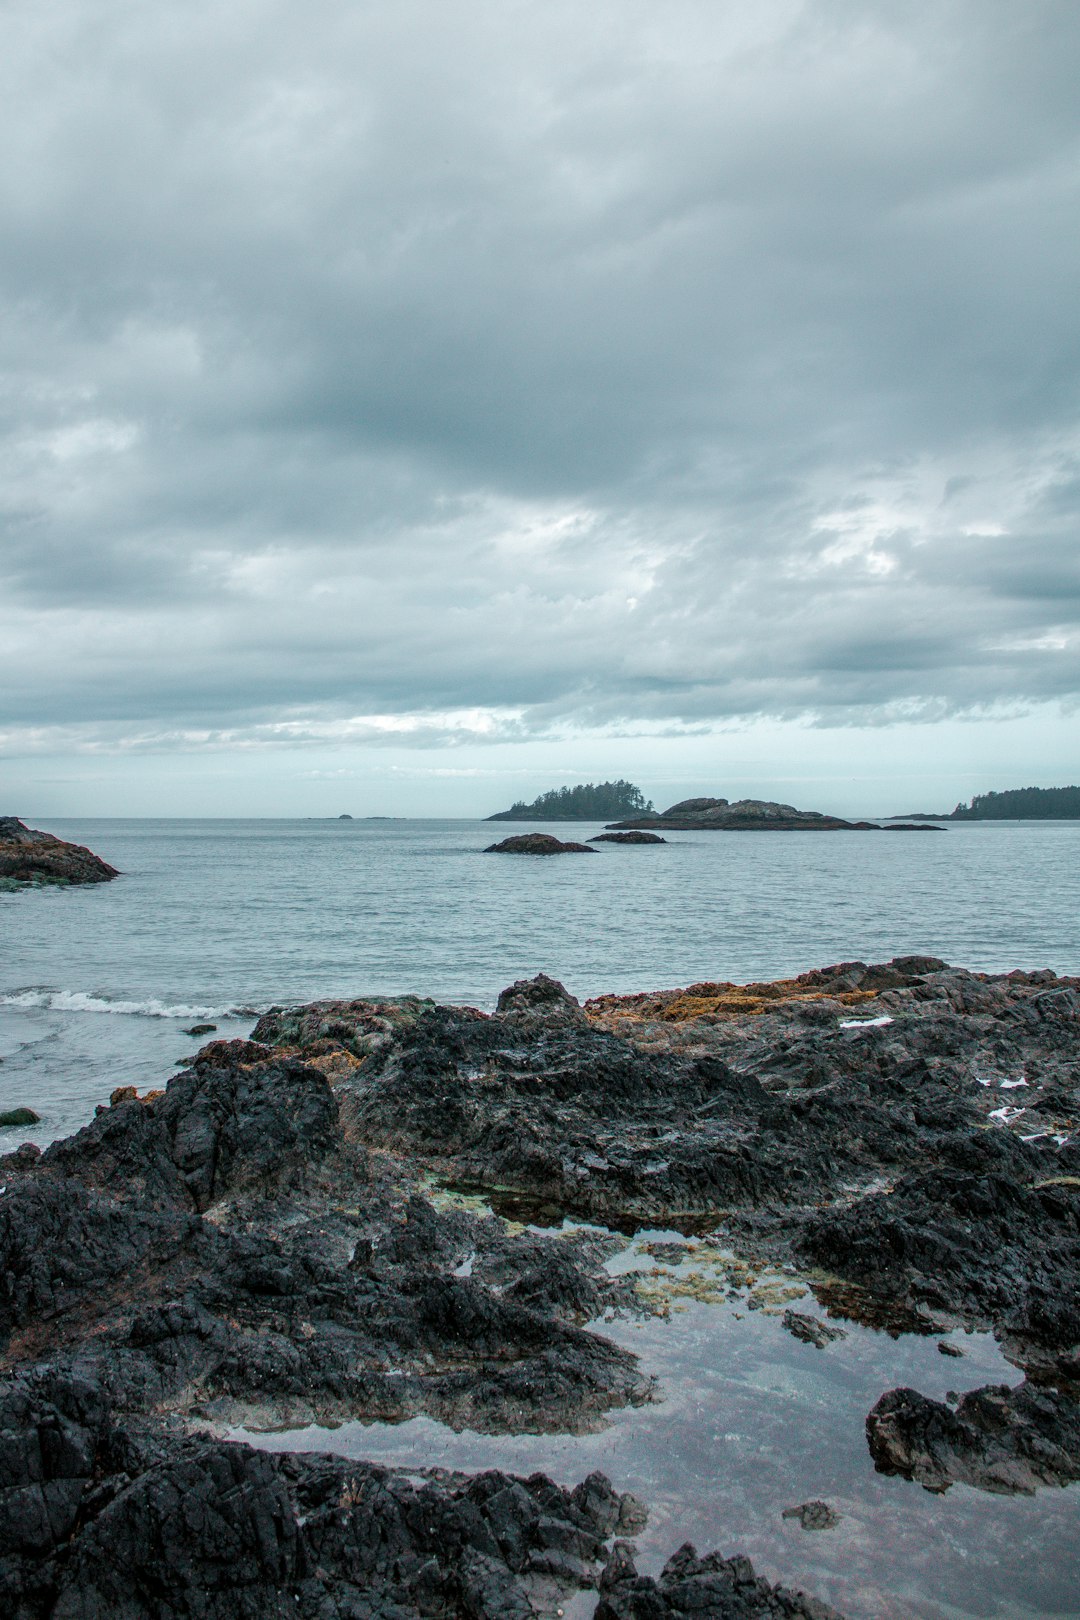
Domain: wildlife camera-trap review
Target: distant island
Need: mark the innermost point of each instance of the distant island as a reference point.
(1014, 804)
(591, 801)
(745, 815)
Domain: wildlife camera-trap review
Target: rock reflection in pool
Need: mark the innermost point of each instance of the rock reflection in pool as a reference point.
(752, 1421)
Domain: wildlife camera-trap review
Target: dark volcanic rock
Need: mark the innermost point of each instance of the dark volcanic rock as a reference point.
(537, 844)
(774, 1104)
(103, 1521)
(261, 1245)
(241, 1117)
(227, 1248)
(1009, 1441)
(541, 997)
(986, 1241)
(30, 859)
(713, 1587)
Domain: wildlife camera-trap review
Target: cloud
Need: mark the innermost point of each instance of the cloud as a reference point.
(373, 368)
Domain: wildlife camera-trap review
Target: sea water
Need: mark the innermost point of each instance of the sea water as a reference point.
(212, 921)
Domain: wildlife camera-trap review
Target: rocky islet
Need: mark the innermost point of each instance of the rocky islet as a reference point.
(263, 1243)
(749, 815)
(537, 844)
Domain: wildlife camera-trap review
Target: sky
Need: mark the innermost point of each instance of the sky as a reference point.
(408, 408)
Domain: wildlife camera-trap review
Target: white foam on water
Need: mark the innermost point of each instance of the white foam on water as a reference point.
(1011, 1085)
(82, 1001)
(865, 1023)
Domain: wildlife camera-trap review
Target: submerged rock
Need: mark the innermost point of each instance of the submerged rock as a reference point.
(32, 859)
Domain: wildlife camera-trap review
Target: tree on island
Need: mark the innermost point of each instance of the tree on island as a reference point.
(590, 801)
(1022, 804)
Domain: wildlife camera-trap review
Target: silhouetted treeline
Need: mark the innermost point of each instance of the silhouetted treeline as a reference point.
(590, 801)
(1022, 804)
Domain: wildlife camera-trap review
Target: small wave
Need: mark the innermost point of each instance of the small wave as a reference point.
(83, 1002)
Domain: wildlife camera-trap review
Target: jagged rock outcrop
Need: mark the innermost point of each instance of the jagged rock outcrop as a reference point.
(714, 1587)
(775, 1104)
(1009, 1441)
(32, 859)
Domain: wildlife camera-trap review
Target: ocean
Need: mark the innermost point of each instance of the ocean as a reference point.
(212, 921)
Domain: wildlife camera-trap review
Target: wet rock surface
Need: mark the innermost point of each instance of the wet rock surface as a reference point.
(33, 859)
(100, 1519)
(1009, 1441)
(269, 1243)
(861, 1119)
(720, 1588)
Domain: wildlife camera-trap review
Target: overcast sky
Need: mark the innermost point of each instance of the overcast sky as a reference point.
(408, 407)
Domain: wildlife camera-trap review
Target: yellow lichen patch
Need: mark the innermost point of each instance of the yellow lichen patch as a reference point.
(334, 1065)
(657, 1290)
(713, 1279)
(771, 1296)
(1058, 1181)
(716, 1003)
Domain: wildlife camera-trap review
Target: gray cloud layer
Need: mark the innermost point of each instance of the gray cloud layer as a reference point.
(515, 366)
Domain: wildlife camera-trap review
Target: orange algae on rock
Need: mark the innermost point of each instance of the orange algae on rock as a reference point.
(716, 1003)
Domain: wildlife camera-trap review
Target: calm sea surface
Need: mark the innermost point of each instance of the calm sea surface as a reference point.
(214, 917)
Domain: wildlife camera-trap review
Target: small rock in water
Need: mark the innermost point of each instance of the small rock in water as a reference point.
(627, 838)
(947, 1349)
(813, 1515)
(537, 844)
(19, 1116)
(811, 1330)
(201, 1029)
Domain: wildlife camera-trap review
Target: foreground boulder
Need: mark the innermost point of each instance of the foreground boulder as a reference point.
(537, 844)
(32, 859)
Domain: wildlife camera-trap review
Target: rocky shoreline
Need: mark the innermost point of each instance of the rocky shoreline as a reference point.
(30, 859)
(266, 1244)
